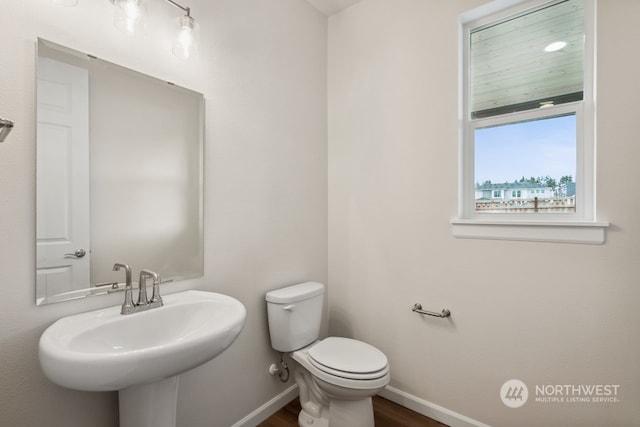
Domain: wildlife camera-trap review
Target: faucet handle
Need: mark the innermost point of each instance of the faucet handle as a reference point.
(142, 292)
(156, 299)
(142, 286)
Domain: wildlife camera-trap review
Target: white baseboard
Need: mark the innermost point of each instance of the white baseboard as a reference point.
(428, 409)
(269, 408)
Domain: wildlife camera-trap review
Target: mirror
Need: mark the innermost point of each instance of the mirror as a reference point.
(119, 175)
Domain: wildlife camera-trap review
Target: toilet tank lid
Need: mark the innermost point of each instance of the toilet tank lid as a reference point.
(295, 293)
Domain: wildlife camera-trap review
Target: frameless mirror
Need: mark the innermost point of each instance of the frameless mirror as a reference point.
(119, 175)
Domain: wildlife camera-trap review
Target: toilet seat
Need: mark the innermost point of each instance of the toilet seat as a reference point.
(367, 382)
(348, 358)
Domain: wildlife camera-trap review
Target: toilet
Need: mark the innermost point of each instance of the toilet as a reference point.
(336, 376)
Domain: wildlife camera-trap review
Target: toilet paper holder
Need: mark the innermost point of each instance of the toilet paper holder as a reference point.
(417, 307)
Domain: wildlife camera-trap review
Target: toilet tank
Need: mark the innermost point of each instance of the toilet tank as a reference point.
(295, 315)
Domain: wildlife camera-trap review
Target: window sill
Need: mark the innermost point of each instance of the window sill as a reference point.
(582, 232)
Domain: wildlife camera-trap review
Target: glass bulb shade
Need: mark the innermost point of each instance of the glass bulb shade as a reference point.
(186, 43)
(130, 16)
(65, 2)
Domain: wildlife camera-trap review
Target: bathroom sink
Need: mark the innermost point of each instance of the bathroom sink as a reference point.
(103, 350)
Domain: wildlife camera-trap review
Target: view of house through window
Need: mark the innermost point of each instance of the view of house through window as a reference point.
(526, 167)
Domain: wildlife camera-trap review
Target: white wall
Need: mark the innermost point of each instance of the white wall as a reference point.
(262, 70)
(393, 189)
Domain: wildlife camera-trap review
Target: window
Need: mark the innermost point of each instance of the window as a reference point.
(528, 114)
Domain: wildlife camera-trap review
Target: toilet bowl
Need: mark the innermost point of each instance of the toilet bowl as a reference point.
(336, 376)
(344, 373)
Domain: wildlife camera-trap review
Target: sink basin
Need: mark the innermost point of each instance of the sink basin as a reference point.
(103, 350)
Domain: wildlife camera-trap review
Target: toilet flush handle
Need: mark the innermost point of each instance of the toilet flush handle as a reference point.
(289, 307)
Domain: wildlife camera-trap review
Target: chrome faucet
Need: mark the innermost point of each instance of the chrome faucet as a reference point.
(129, 307)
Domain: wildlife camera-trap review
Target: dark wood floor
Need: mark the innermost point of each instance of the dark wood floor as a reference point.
(386, 414)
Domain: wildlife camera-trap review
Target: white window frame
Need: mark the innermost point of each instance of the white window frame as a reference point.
(578, 227)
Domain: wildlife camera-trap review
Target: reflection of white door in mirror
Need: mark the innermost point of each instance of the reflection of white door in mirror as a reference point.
(62, 233)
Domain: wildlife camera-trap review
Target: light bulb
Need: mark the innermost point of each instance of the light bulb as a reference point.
(186, 44)
(131, 16)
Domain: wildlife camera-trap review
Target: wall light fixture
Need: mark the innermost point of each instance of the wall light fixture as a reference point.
(186, 43)
(130, 16)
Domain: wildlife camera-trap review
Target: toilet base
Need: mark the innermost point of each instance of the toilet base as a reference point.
(306, 420)
(342, 413)
(352, 413)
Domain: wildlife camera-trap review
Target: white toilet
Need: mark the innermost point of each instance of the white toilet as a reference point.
(336, 377)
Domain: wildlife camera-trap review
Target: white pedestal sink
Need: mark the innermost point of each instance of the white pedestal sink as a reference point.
(141, 355)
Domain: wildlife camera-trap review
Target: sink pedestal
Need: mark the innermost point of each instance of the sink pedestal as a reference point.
(149, 405)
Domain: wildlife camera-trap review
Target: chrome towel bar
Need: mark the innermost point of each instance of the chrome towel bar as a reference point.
(417, 307)
(5, 127)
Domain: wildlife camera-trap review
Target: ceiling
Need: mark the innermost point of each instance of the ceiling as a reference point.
(329, 7)
(509, 64)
